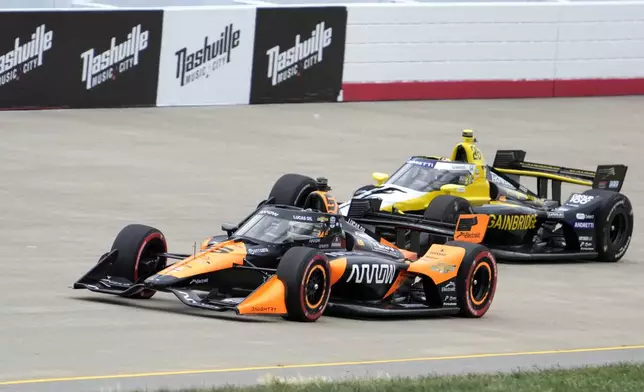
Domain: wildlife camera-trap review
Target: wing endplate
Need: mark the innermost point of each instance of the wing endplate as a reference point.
(269, 298)
(610, 177)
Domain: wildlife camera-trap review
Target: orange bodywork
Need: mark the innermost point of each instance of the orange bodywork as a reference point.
(204, 243)
(409, 255)
(440, 263)
(396, 285)
(221, 256)
(329, 201)
(269, 298)
(338, 266)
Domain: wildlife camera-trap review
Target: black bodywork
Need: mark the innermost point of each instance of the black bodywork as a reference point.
(526, 225)
(541, 226)
(371, 266)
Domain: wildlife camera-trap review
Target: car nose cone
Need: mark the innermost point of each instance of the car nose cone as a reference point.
(160, 281)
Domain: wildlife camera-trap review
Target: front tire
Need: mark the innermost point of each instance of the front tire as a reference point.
(476, 280)
(444, 208)
(138, 248)
(307, 276)
(447, 208)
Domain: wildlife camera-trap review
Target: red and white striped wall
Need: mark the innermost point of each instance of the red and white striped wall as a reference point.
(493, 50)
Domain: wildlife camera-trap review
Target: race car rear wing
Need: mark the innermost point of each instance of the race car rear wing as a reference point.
(512, 163)
(365, 214)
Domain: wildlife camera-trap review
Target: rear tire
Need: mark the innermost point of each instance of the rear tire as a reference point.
(138, 247)
(292, 189)
(476, 280)
(307, 276)
(613, 225)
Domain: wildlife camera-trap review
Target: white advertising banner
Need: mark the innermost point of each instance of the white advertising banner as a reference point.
(206, 56)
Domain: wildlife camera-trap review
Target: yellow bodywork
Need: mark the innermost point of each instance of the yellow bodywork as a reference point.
(477, 192)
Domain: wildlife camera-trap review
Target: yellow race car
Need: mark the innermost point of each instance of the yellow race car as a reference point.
(523, 225)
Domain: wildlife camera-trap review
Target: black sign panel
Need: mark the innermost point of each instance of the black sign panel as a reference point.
(299, 54)
(115, 58)
(31, 57)
(79, 59)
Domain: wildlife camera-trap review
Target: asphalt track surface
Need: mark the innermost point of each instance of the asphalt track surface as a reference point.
(72, 179)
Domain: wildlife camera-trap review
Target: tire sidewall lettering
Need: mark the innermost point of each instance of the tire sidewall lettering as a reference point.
(300, 195)
(620, 206)
(492, 264)
(145, 242)
(308, 313)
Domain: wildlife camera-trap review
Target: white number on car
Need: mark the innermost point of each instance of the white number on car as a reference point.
(580, 199)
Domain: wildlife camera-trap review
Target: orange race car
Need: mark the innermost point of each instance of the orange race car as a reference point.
(301, 262)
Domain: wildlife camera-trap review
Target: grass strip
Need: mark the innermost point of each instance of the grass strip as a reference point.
(621, 377)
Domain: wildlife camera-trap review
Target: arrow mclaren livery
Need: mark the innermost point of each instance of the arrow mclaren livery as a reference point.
(372, 273)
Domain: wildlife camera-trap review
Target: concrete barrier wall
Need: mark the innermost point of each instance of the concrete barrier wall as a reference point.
(425, 51)
(270, 54)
